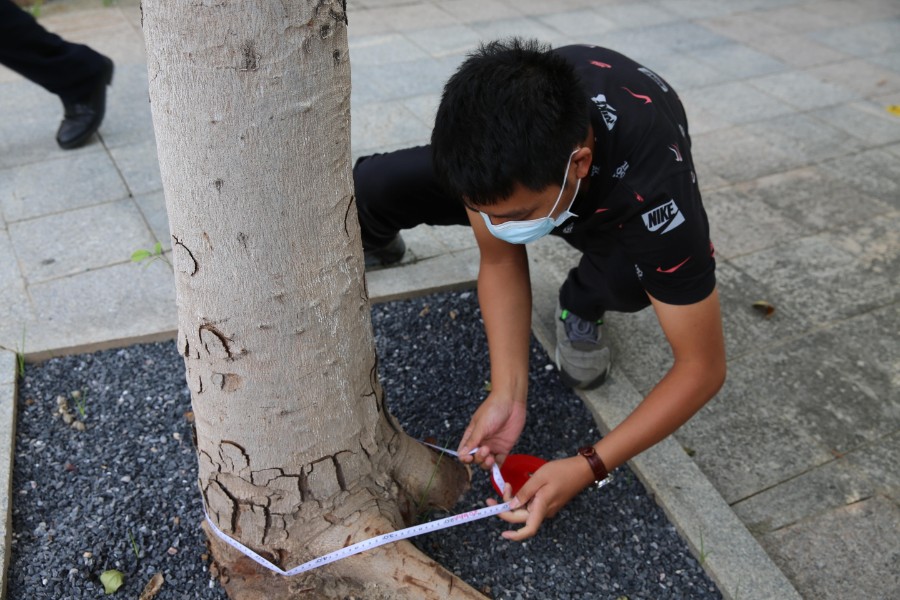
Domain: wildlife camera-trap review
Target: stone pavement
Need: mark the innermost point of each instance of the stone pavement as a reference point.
(799, 162)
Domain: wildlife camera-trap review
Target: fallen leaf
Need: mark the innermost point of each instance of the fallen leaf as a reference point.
(152, 587)
(189, 416)
(453, 314)
(894, 109)
(766, 308)
(112, 580)
(425, 311)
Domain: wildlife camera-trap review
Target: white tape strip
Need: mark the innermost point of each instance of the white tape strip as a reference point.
(369, 544)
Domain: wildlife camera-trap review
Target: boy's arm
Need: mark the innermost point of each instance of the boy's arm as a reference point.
(695, 335)
(504, 294)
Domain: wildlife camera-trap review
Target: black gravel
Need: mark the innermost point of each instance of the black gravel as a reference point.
(122, 493)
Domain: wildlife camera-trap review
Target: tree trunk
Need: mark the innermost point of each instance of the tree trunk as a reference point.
(297, 454)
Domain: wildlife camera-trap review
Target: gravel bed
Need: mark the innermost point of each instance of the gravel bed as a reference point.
(122, 493)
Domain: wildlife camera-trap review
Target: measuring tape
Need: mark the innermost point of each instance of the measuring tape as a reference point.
(374, 542)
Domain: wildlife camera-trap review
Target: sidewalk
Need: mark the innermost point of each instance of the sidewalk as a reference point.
(799, 162)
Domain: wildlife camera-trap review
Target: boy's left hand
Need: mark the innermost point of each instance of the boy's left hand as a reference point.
(545, 493)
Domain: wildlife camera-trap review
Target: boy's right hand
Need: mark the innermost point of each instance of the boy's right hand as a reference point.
(494, 429)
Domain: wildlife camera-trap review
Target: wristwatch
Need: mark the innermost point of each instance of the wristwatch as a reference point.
(601, 475)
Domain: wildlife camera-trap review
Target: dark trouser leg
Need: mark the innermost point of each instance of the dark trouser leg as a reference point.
(601, 283)
(65, 69)
(399, 190)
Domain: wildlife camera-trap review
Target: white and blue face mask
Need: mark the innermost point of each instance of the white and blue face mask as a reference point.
(523, 232)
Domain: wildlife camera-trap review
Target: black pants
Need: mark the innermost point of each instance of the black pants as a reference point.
(68, 70)
(399, 190)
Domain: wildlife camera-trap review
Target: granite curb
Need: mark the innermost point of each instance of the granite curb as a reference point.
(8, 376)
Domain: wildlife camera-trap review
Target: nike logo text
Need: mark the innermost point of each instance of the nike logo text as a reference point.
(666, 217)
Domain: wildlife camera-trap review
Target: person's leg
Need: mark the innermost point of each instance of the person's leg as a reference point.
(599, 283)
(71, 71)
(399, 190)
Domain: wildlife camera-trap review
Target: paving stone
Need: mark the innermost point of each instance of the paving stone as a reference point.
(697, 9)
(28, 129)
(455, 238)
(736, 61)
(413, 78)
(813, 198)
(442, 273)
(741, 223)
(764, 444)
(79, 240)
(888, 60)
(636, 43)
(735, 155)
(822, 281)
(862, 77)
(503, 28)
(578, 22)
(422, 243)
(8, 366)
(541, 7)
(15, 306)
(383, 50)
(128, 120)
(139, 166)
(443, 41)
(685, 35)
(153, 209)
(864, 120)
(743, 27)
(746, 329)
(471, 11)
(684, 72)
(424, 108)
(76, 180)
(364, 22)
(738, 101)
(414, 16)
(805, 139)
(636, 14)
(879, 460)
(873, 172)
(862, 40)
(796, 51)
(850, 552)
(804, 90)
(798, 18)
(826, 487)
(375, 125)
(102, 305)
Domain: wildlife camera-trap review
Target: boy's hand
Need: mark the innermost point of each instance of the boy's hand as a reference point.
(548, 490)
(494, 430)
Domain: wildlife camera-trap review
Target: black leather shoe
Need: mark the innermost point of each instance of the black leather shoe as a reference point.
(82, 119)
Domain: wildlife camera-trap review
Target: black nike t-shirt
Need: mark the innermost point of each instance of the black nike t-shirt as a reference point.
(643, 192)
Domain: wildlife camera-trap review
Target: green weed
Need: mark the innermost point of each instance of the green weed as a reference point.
(150, 256)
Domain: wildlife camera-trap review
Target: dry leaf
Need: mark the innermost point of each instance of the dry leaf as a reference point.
(766, 308)
(425, 311)
(152, 587)
(894, 109)
(453, 314)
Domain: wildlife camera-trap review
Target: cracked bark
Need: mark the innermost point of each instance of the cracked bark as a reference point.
(297, 454)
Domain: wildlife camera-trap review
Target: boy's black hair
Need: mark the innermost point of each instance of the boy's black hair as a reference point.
(512, 113)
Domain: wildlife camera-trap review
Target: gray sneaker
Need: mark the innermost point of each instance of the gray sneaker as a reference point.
(582, 353)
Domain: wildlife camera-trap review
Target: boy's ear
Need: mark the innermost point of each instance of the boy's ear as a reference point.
(582, 160)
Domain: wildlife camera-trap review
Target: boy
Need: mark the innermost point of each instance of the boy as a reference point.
(583, 143)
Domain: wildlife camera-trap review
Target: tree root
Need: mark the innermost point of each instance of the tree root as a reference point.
(426, 478)
(395, 571)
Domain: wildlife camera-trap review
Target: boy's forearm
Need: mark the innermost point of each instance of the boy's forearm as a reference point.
(504, 292)
(676, 398)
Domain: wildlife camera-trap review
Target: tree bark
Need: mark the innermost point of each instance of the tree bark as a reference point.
(297, 454)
